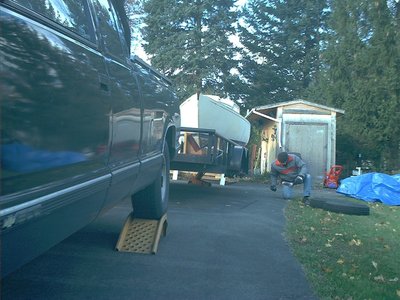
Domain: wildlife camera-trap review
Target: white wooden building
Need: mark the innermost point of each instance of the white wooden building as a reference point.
(297, 126)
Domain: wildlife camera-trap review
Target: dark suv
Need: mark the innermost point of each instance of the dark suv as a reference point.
(83, 124)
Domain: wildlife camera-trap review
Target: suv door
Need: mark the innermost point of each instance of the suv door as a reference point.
(126, 106)
(55, 116)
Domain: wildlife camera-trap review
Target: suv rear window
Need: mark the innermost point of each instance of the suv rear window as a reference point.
(71, 14)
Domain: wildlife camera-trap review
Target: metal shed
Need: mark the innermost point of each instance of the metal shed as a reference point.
(297, 126)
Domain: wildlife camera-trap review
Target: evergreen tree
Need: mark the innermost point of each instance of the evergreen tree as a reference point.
(362, 72)
(189, 42)
(283, 39)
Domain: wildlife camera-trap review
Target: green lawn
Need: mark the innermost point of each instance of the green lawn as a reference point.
(347, 256)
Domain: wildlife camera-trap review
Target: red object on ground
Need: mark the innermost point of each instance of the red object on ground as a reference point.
(332, 178)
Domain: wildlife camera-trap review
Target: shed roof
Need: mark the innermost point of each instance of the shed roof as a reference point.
(270, 109)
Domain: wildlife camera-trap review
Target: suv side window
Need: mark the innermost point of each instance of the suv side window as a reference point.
(110, 31)
(71, 14)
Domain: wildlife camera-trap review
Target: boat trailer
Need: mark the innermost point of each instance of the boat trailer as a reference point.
(205, 151)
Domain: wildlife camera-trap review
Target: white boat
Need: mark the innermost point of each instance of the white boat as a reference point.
(213, 112)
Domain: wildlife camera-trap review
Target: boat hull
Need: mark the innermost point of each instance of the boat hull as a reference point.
(208, 113)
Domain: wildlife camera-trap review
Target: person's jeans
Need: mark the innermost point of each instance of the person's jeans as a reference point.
(287, 191)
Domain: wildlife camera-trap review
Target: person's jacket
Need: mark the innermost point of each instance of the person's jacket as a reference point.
(288, 172)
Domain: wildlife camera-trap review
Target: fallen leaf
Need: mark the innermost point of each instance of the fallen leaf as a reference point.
(327, 270)
(303, 240)
(375, 265)
(398, 293)
(339, 234)
(354, 242)
(327, 219)
(394, 279)
(379, 278)
(312, 228)
(328, 245)
(340, 261)
(386, 247)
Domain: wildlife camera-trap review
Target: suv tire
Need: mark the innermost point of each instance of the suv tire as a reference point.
(347, 207)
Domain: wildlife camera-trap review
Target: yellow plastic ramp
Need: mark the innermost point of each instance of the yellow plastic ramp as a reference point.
(141, 235)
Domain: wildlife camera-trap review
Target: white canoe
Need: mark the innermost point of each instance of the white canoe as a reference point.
(213, 112)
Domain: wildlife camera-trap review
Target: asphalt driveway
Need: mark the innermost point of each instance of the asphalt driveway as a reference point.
(223, 242)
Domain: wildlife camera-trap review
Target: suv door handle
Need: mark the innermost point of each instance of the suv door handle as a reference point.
(103, 86)
(103, 81)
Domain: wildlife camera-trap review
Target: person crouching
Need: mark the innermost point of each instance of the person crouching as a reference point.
(292, 170)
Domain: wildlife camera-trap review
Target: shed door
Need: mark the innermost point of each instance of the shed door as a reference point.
(310, 140)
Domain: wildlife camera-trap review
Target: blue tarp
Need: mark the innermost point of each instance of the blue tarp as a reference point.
(372, 187)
